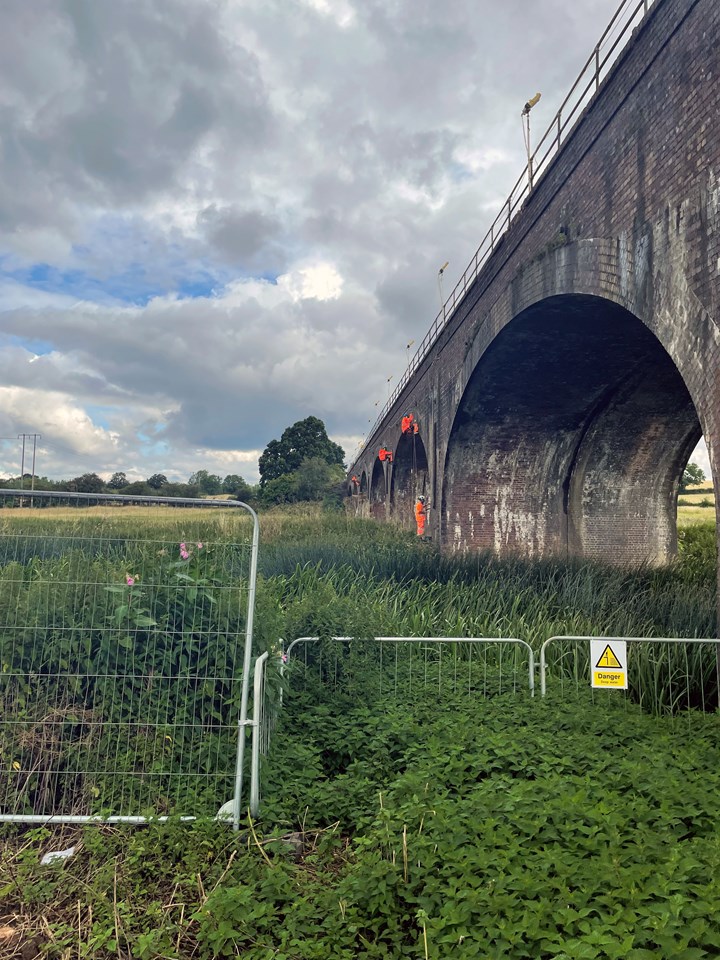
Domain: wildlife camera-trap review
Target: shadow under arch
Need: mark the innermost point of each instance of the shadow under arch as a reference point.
(378, 490)
(409, 478)
(570, 439)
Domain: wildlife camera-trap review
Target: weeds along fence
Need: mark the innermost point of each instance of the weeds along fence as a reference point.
(664, 675)
(407, 667)
(377, 669)
(126, 630)
(677, 677)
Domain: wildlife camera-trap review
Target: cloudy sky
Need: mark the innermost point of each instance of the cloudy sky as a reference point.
(221, 216)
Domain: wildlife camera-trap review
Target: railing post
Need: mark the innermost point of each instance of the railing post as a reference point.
(597, 66)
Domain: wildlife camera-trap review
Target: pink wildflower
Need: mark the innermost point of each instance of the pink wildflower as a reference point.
(284, 658)
(130, 580)
(199, 546)
(183, 553)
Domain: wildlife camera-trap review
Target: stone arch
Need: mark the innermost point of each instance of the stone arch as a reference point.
(378, 490)
(363, 484)
(409, 477)
(569, 438)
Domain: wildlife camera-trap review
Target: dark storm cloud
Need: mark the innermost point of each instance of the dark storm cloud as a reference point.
(120, 97)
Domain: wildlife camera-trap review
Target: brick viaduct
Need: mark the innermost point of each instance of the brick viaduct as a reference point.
(561, 401)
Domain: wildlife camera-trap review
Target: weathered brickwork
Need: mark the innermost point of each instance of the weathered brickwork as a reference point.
(562, 400)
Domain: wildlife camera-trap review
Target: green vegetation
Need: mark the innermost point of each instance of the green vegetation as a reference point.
(304, 440)
(426, 823)
(199, 484)
(502, 828)
(692, 474)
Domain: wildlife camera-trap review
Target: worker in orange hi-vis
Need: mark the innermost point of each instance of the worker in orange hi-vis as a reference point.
(406, 423)
(420, 515)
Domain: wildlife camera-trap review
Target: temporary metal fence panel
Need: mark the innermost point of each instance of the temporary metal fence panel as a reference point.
(265, 706)
(125, 651)
(664, 674)
(402, 666)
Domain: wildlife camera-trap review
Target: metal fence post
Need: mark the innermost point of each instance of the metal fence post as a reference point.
(257, 721)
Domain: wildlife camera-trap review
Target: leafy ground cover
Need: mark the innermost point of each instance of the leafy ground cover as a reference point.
(423, 827)
(500, 828)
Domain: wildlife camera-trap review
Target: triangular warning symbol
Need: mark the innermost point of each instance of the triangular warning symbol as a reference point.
(608, 658)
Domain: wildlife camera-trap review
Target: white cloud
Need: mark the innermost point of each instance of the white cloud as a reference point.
(318, 282)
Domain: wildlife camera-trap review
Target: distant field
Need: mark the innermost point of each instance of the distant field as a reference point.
(102, 510)
(690, 511)
(689, 516)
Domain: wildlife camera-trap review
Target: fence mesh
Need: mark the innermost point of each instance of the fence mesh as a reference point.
(408, 667)
(665, 675)
(122, 633)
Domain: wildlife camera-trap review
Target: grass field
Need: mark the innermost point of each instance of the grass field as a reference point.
(688, 516)
(690, 511)
(419, 826)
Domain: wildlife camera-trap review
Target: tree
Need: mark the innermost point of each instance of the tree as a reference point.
(207, 483)
(304, 440)
(87, 483)
(280, 490)
(691, 475)
(137, 489)
(117, 481)
(157, 480)
(315, 477)
(237, 487)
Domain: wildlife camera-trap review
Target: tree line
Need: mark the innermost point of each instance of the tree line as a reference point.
(303, 465)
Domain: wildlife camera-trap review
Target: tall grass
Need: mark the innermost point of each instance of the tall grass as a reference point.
(330, 575)
(326, 574)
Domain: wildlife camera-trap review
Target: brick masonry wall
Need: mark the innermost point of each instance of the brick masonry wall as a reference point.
(628, 211)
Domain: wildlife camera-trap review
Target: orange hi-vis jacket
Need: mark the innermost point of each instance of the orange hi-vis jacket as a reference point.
(384, 454)
(406, 423)
(420, 515)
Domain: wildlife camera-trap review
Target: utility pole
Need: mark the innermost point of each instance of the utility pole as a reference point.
(34, 437)
(21, 436)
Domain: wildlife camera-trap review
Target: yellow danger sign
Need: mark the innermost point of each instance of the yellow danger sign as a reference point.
(608, 659)
(603, 678)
